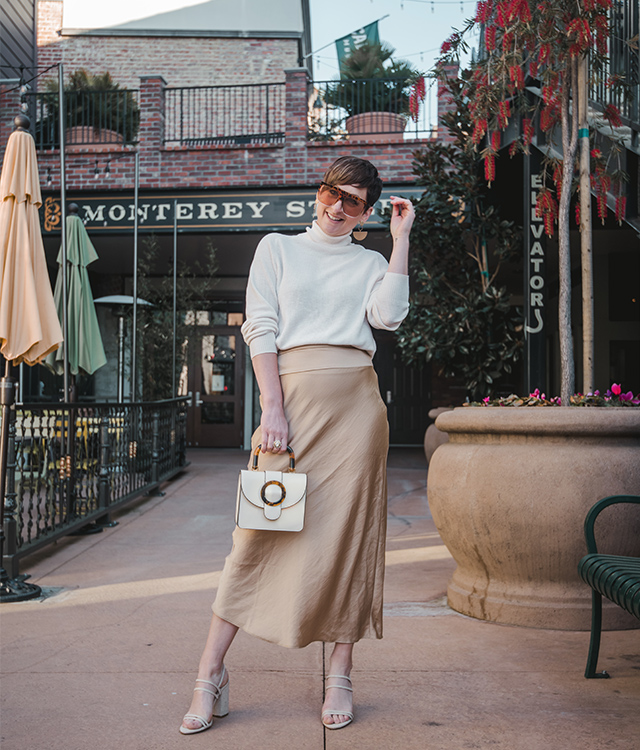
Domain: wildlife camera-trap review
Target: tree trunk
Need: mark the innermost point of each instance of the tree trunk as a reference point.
(569, 148)
(588, 378)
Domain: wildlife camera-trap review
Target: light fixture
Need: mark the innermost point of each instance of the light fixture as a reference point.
(107, 170)
(96, 171)
(49, 178)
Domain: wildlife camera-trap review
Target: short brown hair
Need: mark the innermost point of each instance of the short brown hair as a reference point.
(350, 170)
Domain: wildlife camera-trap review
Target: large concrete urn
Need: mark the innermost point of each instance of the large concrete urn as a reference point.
(509, 494)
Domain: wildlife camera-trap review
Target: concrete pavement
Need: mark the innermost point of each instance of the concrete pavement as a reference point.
(108, 658)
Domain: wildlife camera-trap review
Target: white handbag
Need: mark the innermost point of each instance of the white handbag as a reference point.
(271, 500)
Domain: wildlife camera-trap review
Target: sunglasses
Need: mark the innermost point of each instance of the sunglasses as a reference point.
(352, 205)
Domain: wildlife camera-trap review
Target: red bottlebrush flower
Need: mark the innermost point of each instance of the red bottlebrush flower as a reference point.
(547, 209)
(557, 179)
(483, 11)
(446, 47)
(578, 213)
(420, 88)
(621, 208)
(507, 41)
(513, 148)
(504, 113)
(544, 54)
(533, 69)
(596, 153)
(527, 130)
(549, 116)
(601, 27)
(612, 114)
(519, 11)
(580, 30)
(490, 168)
(490, 38)
(516, 76)
(502, 15)
(495, 140)
(478, 131)
(414, 106)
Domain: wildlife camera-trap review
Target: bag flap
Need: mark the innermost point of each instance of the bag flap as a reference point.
(252, 483)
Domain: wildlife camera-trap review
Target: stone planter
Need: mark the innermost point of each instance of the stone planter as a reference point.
(509, 494)
(376, 126)
(433, 437)
(87, 138)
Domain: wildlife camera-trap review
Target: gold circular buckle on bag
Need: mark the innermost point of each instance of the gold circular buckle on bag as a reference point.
(264, 487)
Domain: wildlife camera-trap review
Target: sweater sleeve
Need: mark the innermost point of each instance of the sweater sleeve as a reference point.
(261, 326)
(388, 304)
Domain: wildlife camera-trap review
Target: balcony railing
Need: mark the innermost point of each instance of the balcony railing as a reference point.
(224, 115)
(623, 63)
(91, 117)
(356, 109)
(56, 486)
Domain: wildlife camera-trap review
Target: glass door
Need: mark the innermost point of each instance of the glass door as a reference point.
(216, 381)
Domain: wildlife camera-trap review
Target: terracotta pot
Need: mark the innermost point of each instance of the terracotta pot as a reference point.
(509, 494)
(433, 437)
(87, 138)
(376, 126)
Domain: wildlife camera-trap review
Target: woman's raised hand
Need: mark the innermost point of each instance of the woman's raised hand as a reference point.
(402, 216)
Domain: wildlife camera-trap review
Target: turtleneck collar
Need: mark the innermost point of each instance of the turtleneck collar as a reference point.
(316, 234)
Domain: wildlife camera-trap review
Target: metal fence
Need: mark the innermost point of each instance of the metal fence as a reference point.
(221, 115)
(91, 117)
(72, 464)
(623, 63)
(357, 108)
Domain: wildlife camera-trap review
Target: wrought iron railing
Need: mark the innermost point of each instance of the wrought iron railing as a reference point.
(91, 117)
(73, 464)
(623, 64)
(354, 109)
(221, 115)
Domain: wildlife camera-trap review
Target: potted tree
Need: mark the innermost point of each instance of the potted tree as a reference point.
(510, 490)
(375, 91)
(98, 113)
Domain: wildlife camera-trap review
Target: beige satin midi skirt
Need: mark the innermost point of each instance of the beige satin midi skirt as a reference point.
(325, 582)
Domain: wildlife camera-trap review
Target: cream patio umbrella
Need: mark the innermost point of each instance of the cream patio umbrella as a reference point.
(29, 327)
(84, 343)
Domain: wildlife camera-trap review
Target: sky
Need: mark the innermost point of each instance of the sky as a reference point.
(416, 28)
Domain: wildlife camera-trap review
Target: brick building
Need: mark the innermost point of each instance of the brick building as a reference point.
(223, 138)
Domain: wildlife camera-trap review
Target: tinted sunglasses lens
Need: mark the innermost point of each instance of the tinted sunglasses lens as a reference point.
(352, 207)
(330, 196)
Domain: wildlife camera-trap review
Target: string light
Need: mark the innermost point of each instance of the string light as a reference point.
(96, 171)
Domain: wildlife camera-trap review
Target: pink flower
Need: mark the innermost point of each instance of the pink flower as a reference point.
(486, 400)
(626, 396)
(535, 394)
(616, 389)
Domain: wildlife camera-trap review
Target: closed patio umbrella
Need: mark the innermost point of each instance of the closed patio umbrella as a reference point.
(29, 327)
(84, 342)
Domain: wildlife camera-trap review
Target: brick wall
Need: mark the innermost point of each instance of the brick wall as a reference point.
(183, 61)
(296, 162)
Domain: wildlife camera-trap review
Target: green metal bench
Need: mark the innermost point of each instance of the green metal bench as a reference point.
(613, 576)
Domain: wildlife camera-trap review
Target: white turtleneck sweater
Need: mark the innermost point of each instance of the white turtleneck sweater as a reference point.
(312, 288)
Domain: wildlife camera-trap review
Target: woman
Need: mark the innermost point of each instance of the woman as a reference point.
(311, 302)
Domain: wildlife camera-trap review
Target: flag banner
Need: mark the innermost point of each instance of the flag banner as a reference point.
(346, 44)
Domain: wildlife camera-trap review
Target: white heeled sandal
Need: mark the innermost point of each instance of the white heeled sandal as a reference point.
(220, 694)
(334, 712)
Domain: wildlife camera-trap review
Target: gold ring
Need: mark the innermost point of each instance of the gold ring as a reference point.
(277, 444)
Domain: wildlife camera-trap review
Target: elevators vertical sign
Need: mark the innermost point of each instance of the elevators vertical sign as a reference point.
(535, 279)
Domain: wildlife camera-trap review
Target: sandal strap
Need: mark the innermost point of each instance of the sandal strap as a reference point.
(197, 718)
(215, 693)
(337, 713)
(340, 687)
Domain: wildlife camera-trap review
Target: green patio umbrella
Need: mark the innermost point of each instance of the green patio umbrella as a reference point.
(84, 342)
